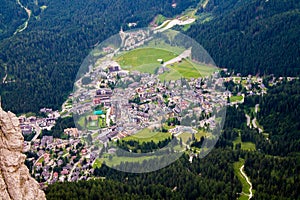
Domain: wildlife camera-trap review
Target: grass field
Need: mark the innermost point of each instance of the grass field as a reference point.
(200, 134)
(147, 135)
(244, 145)
(187, 69)
(160, 19)
(97, 163)
(236, 98)
(143, 58)
(146, 68)
(246, 186)
(185, 137)
(116, 160)
(102, 122)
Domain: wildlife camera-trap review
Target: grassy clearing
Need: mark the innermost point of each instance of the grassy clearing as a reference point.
(97, 163)
(144, 56)
(187, 69)
(147, 68)
(160, 19)
(203, 18)
(185, 137)
(146, 135)
(170, 75)
(116, 160)
(246, 186)
(41, 160)
(200, 134)
(248, 146)
(236, 98)
(43, 7)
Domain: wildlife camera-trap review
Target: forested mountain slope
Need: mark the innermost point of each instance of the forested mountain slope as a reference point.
(11, 16)
(252, 36)
(42, 61)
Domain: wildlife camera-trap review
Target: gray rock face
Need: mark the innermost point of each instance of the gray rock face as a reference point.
(15, 180)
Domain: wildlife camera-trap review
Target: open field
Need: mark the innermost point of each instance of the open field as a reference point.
(185, 137)
(147, 135)
(144, 57)
(92, 125)
(200, 134)
(187, 69)
(116, 160)
(159, 19)
(244, 145)
(147, 68)
(236, 98)
(97, 163)
(246, 186)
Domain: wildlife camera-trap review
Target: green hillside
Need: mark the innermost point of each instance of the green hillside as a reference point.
(43, 60)
(251, 36)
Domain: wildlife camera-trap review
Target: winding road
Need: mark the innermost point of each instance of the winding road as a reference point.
(250, 195)
(26, 22)
(248, 120)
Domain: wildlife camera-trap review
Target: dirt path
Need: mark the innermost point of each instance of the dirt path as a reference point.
(248, 120)
(248, 181)
(26, 22)
(4, 79)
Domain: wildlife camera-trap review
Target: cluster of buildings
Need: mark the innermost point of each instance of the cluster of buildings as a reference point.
(117, 103)
(55, 159)
(34, 125)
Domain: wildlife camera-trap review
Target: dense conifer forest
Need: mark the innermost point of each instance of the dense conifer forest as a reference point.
(252, 37)
(257, 37)
(42, 61)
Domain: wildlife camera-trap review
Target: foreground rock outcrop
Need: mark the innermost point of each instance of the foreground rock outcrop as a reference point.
(15, 180)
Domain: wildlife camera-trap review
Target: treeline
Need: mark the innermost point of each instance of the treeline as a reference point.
(43, 60)
(144, 147)
(58, 130)
(274, 177)
(252, 37)
(279, 117)
(107, 189)
(209, 178)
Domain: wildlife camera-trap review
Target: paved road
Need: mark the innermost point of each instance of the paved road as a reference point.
(248, 120)
(38, 132)
(185, 54)
(256, 108)
(71, 172)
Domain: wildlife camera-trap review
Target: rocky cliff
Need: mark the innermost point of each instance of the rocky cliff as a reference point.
(15, 180)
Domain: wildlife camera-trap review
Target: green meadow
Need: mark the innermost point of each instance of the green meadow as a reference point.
(146, 135)
(144, 59)
(187, 69)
